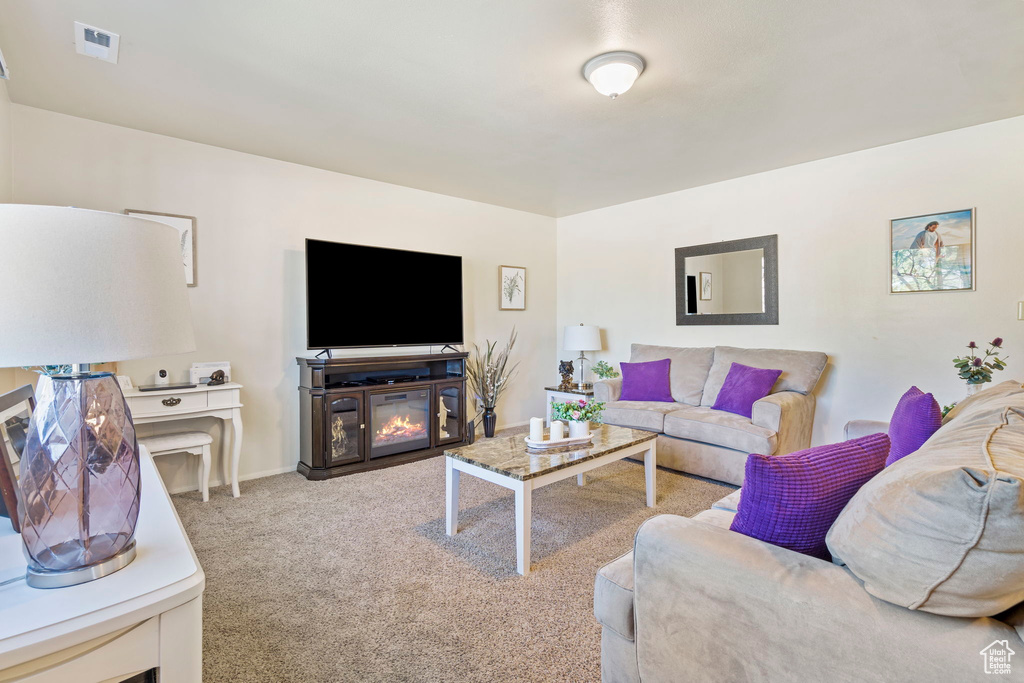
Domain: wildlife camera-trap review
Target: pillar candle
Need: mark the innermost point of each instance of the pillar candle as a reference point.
(557, 430)
(536, 429)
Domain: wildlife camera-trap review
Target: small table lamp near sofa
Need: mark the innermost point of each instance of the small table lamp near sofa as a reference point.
(82, 287)
(582, 338)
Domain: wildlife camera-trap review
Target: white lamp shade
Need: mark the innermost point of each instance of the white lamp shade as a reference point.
(581, 338)
(82, 286)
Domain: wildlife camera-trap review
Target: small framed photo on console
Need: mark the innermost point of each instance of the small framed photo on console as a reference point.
(512, 288)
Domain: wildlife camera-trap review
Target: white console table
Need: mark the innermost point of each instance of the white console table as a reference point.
(147, 615)
(221, 401)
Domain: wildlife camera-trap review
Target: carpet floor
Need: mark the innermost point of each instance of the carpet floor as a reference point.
(354, 579)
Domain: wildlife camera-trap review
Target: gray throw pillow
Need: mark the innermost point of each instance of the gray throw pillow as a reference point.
(942, 530)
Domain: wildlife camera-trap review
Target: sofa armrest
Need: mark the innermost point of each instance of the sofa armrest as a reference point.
(714, 605)
(608, 389)
(789, 414)
(855, 429)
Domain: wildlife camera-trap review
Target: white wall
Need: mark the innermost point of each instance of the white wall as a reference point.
(6, 374)
(615, 265)
(253, 215)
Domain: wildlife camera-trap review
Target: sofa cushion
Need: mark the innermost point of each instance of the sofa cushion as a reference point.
(744, 386)
(800, 369)
(647, 381)
(689, 368)
(649, 415)
(792, 500)
(916, 418)
(715, 517)
(721, 429)
(942, 531)
(730, 503)
(613, 596)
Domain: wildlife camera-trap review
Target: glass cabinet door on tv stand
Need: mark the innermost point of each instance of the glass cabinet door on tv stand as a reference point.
(345, 422)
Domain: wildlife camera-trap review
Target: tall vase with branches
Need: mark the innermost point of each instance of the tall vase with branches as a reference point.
(489, 374)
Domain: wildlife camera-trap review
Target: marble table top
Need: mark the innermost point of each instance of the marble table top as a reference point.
(506, 452)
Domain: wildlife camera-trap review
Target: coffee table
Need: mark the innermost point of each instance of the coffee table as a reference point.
(504, 460)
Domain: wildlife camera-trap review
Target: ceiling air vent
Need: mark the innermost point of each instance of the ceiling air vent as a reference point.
(4, 73)
(95, 42)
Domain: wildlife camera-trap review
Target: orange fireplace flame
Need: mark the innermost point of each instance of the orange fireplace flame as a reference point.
(399, 428)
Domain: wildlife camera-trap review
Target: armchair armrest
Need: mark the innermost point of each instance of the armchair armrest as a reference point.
(608, 389)
(855, 429)
(789, 414)
(714, 605)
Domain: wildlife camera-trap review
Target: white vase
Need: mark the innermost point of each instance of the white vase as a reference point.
(972, 389)
(578, 430)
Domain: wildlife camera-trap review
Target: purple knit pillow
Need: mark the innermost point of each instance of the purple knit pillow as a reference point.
(743, 386)
(792, 500)
(646, 381)
(916, 418)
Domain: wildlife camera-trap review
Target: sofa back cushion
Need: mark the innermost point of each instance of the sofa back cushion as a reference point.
(792, 500)
(689, 369)
(942, 530)
(800, 369)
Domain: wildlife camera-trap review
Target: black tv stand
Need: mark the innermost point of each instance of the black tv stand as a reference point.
(449, 346)
(327, 351)
(341, 411)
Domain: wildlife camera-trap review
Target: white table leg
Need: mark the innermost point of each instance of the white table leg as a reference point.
(181, 643)
(451, 497)
(524, 495)
(581, 479)
(204, 473)
(650, 471)
(236, 449)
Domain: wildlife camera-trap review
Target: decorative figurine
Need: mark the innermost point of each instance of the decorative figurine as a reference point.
(565, 369)
(216, 378)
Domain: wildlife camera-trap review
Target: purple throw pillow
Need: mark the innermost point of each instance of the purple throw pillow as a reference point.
(792, 500)
(743, 386)
(916, 418)
(646, 381)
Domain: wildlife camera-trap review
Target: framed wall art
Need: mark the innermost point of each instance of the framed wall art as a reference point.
(15, 412)
(705, 286)
(512, 288)
(186, 227)
(932, 253)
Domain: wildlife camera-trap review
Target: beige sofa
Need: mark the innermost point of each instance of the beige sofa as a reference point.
(712, 443)
(694, 601)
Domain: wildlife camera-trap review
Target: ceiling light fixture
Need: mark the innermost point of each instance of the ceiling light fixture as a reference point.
(613, 73)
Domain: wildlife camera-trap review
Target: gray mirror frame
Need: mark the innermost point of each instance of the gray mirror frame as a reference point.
(770, 316)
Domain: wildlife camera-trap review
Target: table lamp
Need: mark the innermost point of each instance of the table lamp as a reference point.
(581, 338)
(82, 287)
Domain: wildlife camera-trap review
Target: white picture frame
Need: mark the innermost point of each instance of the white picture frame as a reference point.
(511, 288)
(186, 227)
(705, 286)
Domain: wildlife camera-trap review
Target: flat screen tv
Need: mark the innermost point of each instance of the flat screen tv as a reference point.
(359, 296)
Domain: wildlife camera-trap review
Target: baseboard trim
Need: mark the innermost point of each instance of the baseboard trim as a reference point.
(241, 477)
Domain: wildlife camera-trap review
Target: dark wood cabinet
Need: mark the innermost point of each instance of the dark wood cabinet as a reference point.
(363, 413)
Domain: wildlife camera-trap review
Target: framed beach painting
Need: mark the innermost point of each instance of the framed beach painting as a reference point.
(512, 288)
(186, 227)
(932, 253)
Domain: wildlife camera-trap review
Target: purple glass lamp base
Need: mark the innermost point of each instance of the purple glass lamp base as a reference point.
(79, 481)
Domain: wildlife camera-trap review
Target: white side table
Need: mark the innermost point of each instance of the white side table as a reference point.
(222, 402)
(147, 615)
(555, 394)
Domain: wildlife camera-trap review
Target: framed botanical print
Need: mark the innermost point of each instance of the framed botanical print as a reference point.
(932, 253)
(15, 412)
(186, 227)
(705, 286)
(512, 285)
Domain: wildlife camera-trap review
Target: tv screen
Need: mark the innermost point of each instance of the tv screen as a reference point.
(371, 296)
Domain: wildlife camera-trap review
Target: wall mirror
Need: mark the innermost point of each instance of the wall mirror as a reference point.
(728, 283)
